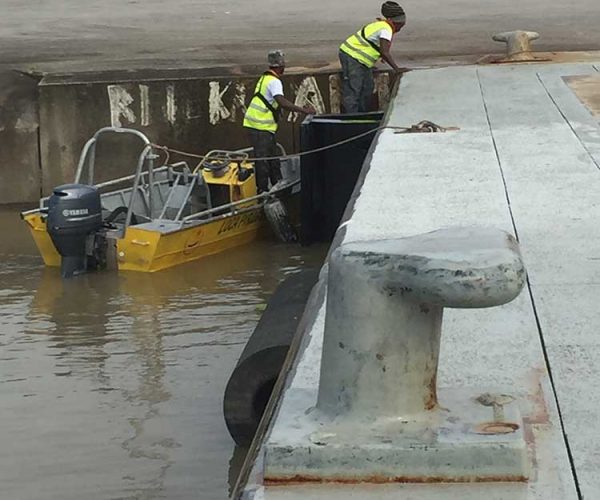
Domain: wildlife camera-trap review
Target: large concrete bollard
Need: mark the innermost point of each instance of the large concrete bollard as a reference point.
(384, 314)
(377, 416)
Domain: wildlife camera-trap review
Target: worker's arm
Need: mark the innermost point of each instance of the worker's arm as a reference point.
(290, 106)
(384, 49)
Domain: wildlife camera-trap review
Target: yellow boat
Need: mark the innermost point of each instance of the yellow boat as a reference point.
(158, 217)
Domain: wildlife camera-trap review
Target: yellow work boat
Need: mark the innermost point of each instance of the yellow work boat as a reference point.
(158, 217)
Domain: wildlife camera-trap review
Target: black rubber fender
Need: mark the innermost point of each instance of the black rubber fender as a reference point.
(252, 380)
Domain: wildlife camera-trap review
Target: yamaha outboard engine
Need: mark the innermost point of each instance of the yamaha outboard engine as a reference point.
(74, 213)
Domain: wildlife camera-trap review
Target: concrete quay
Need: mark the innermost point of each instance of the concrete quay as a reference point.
(58, 36)
(526, 160)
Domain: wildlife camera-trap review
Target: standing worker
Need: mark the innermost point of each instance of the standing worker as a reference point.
(359, 53)
(261, 120)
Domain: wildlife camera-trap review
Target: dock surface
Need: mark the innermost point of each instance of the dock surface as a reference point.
(62, 36)
(525, 159)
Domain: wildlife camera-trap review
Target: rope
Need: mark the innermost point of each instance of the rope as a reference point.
(423, 126)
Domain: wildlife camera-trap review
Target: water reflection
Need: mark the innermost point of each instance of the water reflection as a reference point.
(112, 384)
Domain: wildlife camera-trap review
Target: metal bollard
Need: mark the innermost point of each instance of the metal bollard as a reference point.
(518, 46)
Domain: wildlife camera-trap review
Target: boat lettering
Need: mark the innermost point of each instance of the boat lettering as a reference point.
(75, 211)
(236, 222)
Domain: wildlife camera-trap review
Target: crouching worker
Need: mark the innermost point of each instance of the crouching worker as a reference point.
(261, 120)
(361, 51)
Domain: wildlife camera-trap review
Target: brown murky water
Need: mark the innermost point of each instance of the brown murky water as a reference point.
(111, 385)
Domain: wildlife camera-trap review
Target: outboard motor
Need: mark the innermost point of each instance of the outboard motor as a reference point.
(74, 213)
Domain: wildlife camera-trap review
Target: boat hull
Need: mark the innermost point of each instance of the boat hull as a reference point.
(149, 250)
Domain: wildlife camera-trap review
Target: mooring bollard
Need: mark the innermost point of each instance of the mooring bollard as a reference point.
(384, 314)
(518, 44)
(377, 416)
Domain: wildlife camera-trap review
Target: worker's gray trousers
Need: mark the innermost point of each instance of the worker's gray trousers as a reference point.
(357, 84)
(264, 145)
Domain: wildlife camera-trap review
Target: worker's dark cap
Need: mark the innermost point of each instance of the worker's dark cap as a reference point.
(393, 11)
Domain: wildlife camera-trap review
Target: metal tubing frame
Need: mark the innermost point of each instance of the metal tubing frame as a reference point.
(253, 208)
(90, 146)
(234, 204)
(229, 206)
(187, 196)
(128, 178)
(195, 178)
(136, 183)
(166, 204)
(150, 161)
(90, 149)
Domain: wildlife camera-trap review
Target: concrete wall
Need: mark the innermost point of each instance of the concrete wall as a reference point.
(184, 112)
(19, 158)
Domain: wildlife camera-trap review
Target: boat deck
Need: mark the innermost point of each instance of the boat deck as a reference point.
(526, 159)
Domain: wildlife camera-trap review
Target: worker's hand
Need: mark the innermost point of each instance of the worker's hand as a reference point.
(309, 110)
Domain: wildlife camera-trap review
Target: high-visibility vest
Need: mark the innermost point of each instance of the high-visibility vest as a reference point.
(261, 114)
(359, 47)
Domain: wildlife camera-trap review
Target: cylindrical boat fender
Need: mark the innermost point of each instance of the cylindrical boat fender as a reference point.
(251, 382)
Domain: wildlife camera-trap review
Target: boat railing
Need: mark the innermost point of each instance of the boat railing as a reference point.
(190, 181)
(89, 149)
(229, 208)
(232, 208)
(136, 184)
(112, 182)
(88, 158)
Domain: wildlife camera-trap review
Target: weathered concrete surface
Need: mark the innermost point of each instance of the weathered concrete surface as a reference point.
(586, 89)
(79, 35)
(377, 413)
(19, 159)
(448, 444)
(524, 160)
(556, 223)
(188, 111)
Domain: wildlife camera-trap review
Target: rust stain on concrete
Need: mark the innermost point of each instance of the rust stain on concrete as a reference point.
(380, 479)
(587, 90)
(539, 415)
(496, 428)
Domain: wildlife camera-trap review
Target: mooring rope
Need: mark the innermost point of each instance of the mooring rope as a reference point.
(423, 126)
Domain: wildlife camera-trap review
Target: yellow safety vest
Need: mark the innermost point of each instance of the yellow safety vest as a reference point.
(262, 115)
(359, 47)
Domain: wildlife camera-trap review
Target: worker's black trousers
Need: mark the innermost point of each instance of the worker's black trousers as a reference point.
(357, 85)
(264, 145)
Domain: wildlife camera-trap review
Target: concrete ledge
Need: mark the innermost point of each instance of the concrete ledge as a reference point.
(443, 446)
(524, 160)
